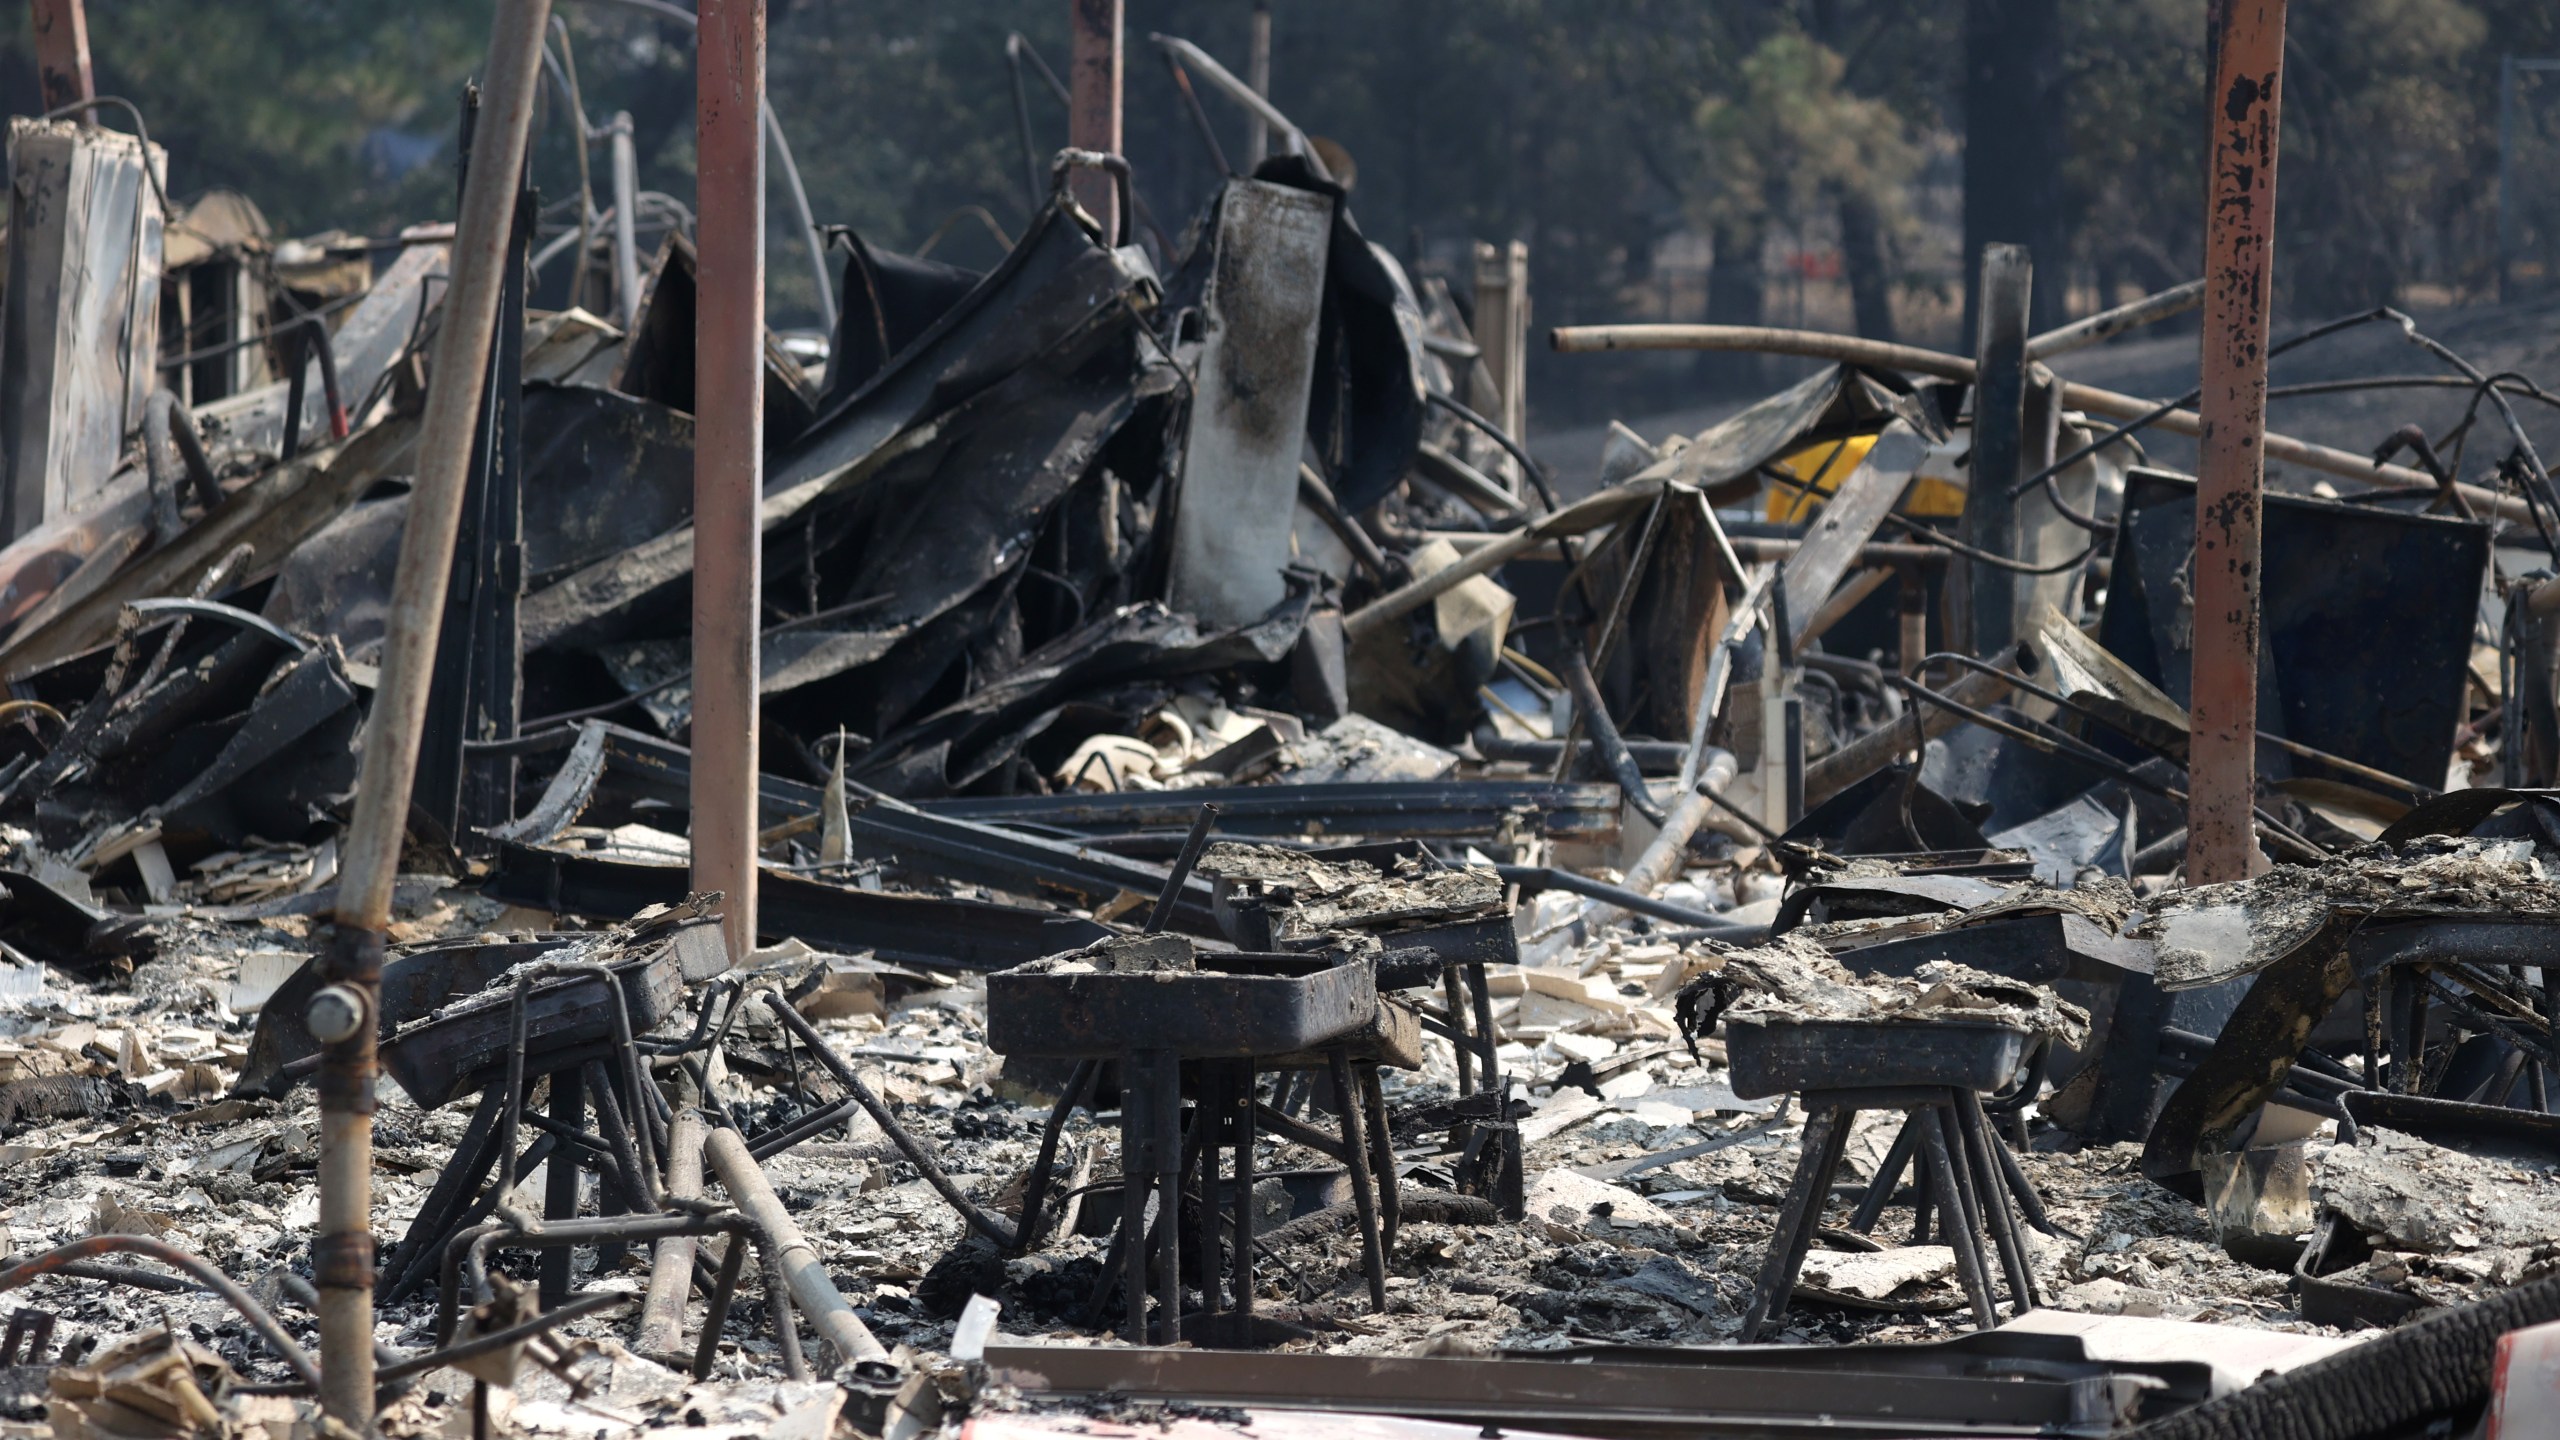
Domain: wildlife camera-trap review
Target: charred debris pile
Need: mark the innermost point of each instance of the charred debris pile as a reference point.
(1273, 902)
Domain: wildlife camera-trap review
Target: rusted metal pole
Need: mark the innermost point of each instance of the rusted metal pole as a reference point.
(2239, 265)
(728, 453)
(1093, 105)
(62, 52)
(343, 1014)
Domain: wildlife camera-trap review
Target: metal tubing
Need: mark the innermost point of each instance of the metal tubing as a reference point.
(1488, 1042)
(1888, 1174)
(1855, 350)
(1594, 714)
(1094, 58)
(1991, 1190)
(1180, 875)
(1548, 877)
(671, 1268)
(343, 1251)
(812, 243)
(1373, 1099)
(811, 1289)
(191, 453)
(497, 1340)
(1355, 1159)
(2108, 324)
(728, 457)
(1584, 515)
(786, 1325)
(767, 1144)
(626, 225)
(1292, 139)
(715, 1313)
(473, 1155)
(560, 1182)
(1800, 1213)
(2231, 449)
(621, 1138)
(62, 1258)
(1257, 73)
(1029, 1229)
(1453, 991)
(431, 1255)
(917, 1155)
(1946, 1189)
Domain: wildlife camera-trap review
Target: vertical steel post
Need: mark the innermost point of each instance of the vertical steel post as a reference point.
(62, 52)
(2239, 264)
(1093, 104)
(728, 454)
(1999, 439)
(343, 1015)
(1257, 73)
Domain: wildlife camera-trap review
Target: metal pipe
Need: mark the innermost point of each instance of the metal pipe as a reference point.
(1016, 49)
(802, 1271)
(199, 466)
(63, 1260)
(1542, 877)
(1243, 94)
(1319, 497)
(1180, 875)
(978, 1218)
(1257, 73)
(564, 72)
(671, 1268)
(626, 224)
(1093, 109)
(2108, 324)
(1199, 116)
(728, 456)
(1581, 517)
(811, 240)
(1594, 714)
(1759, 549)
(2240, 220)
(343, 1252)
(1854, 350)
(497, 1340)
(715, 1312)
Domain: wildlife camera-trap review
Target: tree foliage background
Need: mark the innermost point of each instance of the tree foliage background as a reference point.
(1616, 136)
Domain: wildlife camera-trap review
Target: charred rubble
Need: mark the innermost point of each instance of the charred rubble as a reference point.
(1271, 900)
